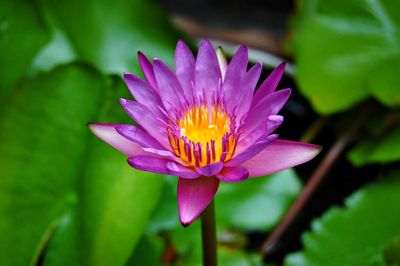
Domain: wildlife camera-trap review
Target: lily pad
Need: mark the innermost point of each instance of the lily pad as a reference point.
(357, 234)
(382, 149)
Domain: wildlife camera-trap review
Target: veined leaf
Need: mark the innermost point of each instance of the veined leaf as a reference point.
(357, 234)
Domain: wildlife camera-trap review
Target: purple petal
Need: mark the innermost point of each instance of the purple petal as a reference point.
(265, 128)
(142, 115)
(149, 164)
(270, 105)
(232, 88)
(223, 64)
(148, 71)
(184, 68)
(252, 151)
(270, 83)
(280, 155)
(162, 153)
(143, 93)
(207, 71)
(109, 134)
(181, 171)
(138, 135)
(194, 195)
(233, 174)
(171, 91)
(249, 84)
(211, 169)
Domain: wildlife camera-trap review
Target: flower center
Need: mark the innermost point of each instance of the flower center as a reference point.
(206, 135)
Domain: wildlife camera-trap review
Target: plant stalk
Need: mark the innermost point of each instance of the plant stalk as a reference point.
(209, 237)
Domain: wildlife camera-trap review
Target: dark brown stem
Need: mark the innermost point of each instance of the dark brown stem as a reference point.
(314, 129)
(209, 237)
(328, 161)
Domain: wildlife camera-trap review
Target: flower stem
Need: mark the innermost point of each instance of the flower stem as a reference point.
(208, 234)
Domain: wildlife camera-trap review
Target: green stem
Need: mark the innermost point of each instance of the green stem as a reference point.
(209, 237)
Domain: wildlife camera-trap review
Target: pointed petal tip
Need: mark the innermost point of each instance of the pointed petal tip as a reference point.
(181, 42)
(286, 91)
(93, 126)
(127, 74)
(123, 102)
(185, 222)
(243, 48)
(276, 118)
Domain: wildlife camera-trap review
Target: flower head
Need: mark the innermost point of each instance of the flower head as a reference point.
(205, 123)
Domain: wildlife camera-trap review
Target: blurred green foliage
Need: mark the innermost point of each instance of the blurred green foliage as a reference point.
(346, 52)
(66, 198)
(19, 21)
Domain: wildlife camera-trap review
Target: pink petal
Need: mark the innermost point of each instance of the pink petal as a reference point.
(211, 169)
(146, 119)
(194, 195)
(280, 155)
(233, 174)
(148, 71)
(138, 135)
(270, 83)
(207, 71)
(149, 163)
(181, 171)
(109, 134)
(249, 83)
(252, 151)
(232, 88)
(143, 93)
(184, 68)
(162, 153)
(265, 128)
(270, 105)
(171, 91)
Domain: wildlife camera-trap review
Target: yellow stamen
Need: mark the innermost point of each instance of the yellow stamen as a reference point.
(204, 136)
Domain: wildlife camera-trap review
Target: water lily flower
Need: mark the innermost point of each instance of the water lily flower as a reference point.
(205, 123)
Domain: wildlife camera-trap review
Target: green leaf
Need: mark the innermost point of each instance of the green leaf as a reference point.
(347, 52)
(257, 203)
(108, 34)
(148, 252)
(62, 190)
(57, 52)
(22, 34)
(382, 149)
(358, 233)
(165, 216)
